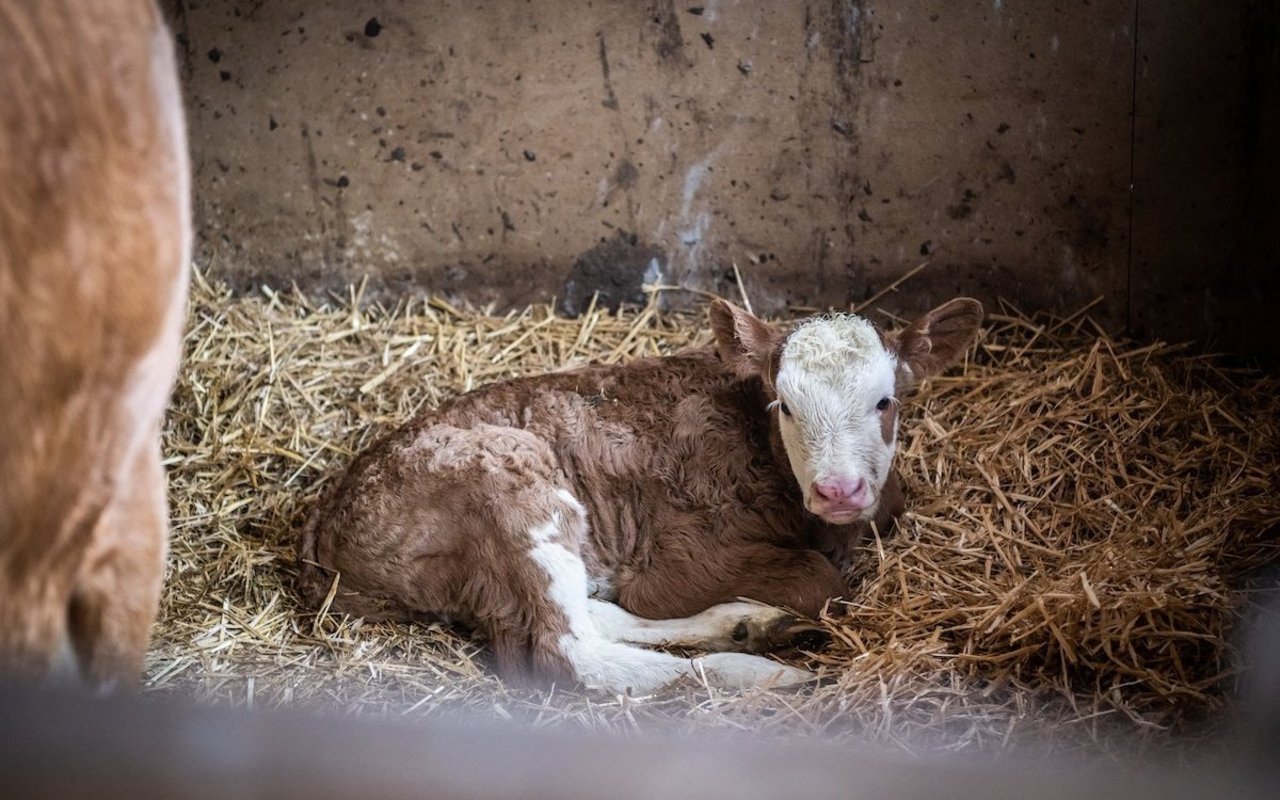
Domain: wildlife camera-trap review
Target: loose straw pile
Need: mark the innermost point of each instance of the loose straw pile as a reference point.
(1085, 516)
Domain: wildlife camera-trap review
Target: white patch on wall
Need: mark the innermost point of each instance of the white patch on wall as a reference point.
(693, 221)
(367, 243)
(693, 182)
(691, 239)
(693, 226)
(653, 273)
(1067, 263)
(361, 227)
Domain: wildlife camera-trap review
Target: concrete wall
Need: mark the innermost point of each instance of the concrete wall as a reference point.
(1206, 213)
(515, 151)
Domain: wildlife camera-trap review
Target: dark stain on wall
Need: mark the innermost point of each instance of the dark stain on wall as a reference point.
(613, 272)
(669, 41)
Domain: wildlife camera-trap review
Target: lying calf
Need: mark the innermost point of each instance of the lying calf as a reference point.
(573, 515)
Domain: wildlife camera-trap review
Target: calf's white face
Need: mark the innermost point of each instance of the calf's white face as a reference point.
(836, 404)
(835, 382)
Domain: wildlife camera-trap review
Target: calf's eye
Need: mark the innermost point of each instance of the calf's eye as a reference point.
(783, 408)
(883, 404)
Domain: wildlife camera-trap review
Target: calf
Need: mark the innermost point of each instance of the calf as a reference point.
(573, 515)
(94, 235)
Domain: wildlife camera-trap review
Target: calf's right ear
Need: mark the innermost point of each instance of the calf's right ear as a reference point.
(745, 343)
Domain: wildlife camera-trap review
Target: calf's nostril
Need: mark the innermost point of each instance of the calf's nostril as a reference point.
(838, 488)
(843, 491)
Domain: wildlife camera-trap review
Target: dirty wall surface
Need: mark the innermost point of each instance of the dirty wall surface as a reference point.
(516, 151)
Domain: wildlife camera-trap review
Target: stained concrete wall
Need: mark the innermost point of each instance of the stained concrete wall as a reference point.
(1206, 213)
(515, 151)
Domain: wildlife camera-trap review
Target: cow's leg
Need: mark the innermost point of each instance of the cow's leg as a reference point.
(800, 580)
(52, 500)
(33, 631)
(117, 590)
(741, 626)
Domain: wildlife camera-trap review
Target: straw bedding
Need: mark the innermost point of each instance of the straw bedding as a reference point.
(1086, 517)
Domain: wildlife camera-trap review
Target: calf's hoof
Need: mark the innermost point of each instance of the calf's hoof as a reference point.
(766, 629)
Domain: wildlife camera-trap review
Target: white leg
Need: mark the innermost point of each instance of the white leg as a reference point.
(743, 671)
(741, 627)
(617, 667)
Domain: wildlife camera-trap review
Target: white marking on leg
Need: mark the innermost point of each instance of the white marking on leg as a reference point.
(597, 585)
(617, 624)
(598, 662)
(615, 666)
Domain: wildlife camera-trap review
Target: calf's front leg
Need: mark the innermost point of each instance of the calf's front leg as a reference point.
(743, 627)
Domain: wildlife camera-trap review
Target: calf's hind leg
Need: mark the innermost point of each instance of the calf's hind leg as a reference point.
(599, 661)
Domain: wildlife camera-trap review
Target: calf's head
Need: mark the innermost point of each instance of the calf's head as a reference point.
(834, 383)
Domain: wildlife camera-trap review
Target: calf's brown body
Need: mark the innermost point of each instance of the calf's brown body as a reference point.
(688, 495)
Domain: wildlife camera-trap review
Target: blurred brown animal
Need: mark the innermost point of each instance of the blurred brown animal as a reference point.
(94, 237)
(571, 516)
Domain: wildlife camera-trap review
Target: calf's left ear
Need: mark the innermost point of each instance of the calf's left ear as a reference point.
(931, 343)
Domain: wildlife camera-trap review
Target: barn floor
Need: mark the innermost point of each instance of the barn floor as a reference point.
(1086, 520)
